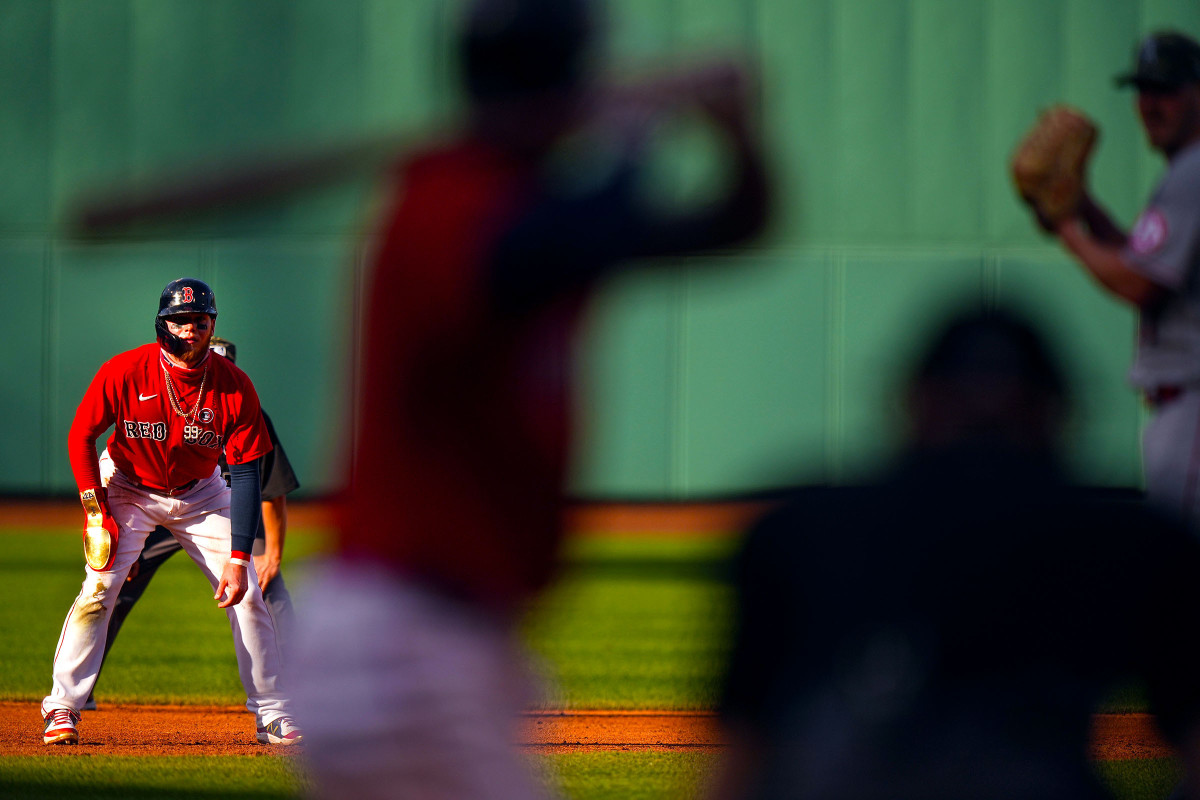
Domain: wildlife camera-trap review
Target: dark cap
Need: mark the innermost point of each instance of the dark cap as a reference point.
(509, 47)
(1165, 60)
(995, 344)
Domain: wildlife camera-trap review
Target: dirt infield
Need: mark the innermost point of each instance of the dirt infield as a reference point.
(135, 730)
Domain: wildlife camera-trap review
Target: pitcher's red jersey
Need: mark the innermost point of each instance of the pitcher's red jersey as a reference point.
(461, 446)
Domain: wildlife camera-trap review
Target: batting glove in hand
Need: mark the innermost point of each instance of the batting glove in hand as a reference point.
(100, 533)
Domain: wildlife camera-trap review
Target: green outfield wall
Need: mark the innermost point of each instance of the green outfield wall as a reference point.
(889, 122)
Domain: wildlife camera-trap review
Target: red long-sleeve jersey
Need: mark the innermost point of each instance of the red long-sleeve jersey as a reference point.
(147, 444)
(461, 448)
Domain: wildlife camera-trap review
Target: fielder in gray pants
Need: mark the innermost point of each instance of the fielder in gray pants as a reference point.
(1155, 267)
(278, 480)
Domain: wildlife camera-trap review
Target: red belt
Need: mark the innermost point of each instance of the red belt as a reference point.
(1161, 395)
(168, 492)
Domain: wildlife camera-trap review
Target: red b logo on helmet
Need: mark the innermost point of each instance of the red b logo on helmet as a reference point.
(186, 296)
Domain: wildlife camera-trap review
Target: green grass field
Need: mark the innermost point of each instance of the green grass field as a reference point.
(637, 622)
(127, 778)
(636, 625)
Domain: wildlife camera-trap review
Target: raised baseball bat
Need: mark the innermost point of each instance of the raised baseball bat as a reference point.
(250, 179)
(265, 177)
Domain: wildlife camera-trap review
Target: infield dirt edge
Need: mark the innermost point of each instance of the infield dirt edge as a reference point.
(156, 730)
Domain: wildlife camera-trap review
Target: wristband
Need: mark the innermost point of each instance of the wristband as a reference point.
(241, 562)
(93, 501)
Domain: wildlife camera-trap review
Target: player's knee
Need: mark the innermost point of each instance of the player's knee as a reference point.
(96, 599)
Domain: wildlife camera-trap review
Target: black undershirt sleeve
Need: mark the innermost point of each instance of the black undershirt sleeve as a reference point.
(245, 504)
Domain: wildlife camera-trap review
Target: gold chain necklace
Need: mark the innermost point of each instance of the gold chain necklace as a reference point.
(191, 433)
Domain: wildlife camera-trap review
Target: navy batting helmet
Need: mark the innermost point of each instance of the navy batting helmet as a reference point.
(182, 296)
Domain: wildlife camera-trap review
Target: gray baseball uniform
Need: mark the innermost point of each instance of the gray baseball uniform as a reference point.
(1164, 246)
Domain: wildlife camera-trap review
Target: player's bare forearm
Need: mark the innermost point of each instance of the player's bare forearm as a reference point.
(1106, 264)
(274, 525)
(252, 178)
(726, 92)
(1101, 223)
(235, 580)
(274, 532)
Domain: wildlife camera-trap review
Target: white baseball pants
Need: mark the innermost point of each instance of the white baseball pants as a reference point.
(199, 520)
(407, 693)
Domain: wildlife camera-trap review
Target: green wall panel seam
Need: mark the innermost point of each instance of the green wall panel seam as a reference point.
(989, 269)
(54, 167)
(678, 479)
(835, 438)
(48, 360)
(752, 26)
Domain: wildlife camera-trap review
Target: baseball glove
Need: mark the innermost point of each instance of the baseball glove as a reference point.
(1049, 165)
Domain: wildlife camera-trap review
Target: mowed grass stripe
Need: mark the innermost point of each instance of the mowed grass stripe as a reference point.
(129, 778)
(627, 627)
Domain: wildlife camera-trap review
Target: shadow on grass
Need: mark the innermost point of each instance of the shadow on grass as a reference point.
(38, 790)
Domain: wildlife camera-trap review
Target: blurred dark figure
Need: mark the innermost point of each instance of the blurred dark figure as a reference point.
(412, 677)
(948, 631)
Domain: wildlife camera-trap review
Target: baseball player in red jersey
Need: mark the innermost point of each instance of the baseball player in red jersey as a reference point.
(409, 676)
(173, 407)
